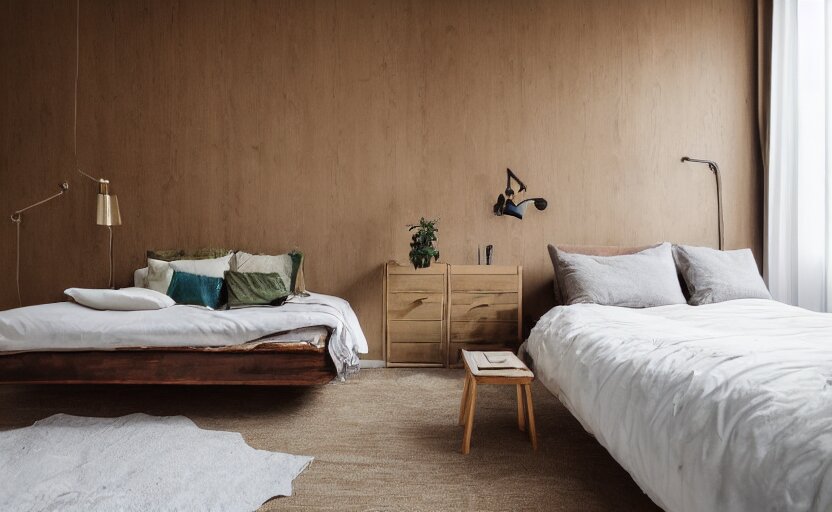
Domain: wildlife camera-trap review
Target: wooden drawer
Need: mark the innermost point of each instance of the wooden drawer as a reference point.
(484, 312)
(410, 331)
(429, 283)
(484, 307)
(416, 353)
(484, 283)
(415, 306)
(498, 332)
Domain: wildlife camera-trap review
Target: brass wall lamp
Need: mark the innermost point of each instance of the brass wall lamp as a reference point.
(506, 204)
(107, 213)
(714, 169)
(17, 218)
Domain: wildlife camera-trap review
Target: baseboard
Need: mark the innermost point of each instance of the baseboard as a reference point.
(373, 363)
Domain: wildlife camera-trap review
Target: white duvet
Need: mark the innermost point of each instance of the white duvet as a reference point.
(69, 326)
(724, 407)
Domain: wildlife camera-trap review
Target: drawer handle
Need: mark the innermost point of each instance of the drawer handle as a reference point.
(478, 306)
(420, 301)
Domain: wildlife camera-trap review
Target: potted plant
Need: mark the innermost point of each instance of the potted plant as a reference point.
(421, 245)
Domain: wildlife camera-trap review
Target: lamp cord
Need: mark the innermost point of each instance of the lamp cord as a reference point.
(17, 268)
(75, 92)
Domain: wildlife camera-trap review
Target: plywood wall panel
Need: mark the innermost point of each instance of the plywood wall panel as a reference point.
(328, 126)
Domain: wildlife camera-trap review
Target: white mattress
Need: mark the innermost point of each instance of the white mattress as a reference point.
(724, 407)
(69, 326)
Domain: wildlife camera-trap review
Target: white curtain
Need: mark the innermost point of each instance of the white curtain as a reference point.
(799, 185)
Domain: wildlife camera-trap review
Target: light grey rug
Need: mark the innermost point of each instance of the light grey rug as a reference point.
(137, 462)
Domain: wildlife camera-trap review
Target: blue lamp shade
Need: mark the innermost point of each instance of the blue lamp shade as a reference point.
(517, 210)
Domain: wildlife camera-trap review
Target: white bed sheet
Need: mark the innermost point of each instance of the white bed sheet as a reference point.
(69, 326)
(724, 407)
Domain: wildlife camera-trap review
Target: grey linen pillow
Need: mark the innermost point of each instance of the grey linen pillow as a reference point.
(641, 280)
(716, 276)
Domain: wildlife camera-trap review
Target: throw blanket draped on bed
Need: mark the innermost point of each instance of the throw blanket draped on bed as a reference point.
(721, 407)
(68, 326)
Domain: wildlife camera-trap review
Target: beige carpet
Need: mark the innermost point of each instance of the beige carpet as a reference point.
(385, 441)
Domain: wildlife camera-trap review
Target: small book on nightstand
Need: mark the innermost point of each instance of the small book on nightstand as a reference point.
(502, 360)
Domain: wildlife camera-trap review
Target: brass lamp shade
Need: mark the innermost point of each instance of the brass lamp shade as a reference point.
(107, 212)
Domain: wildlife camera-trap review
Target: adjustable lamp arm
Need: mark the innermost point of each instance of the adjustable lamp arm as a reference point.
(539, 202)
(511, 176)
(97, 180)
(16, 216)
(714, 169)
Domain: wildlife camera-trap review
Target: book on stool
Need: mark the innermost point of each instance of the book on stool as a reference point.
(501, 360)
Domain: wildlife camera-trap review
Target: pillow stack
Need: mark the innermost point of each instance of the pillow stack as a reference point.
(651, 277)
(260, 279)
(213, 277)
(195, 278)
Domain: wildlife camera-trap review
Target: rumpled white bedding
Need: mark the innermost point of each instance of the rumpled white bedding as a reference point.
(724, 407)
(69, 326)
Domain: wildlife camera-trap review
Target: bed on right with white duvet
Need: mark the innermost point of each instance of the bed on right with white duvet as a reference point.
(723, 405)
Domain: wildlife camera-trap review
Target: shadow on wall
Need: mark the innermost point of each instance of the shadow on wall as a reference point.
(367, 306)
(537, 300)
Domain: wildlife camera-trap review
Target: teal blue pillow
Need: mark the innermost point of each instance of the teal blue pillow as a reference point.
(197, 290)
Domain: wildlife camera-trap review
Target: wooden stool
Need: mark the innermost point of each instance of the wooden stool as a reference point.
(522, 378)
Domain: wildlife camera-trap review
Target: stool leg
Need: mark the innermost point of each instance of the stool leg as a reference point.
(530, 409)
(521, 409)
(466, 390)
(469, 417)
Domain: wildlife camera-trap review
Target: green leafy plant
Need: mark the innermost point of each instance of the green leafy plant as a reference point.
(421, 245)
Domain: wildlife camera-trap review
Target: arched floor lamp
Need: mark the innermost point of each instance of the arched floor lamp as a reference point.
(714, 169)
(17, 218)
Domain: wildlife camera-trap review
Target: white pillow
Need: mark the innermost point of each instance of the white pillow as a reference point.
(126, 299)
(281, 264)
(642, 280)
(717, 276)
(140, 278)
(159, 273)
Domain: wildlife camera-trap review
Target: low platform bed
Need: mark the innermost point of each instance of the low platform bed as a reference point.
(307, 341)
(268, 364)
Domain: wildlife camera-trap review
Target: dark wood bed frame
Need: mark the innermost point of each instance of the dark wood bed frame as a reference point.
(267, 364)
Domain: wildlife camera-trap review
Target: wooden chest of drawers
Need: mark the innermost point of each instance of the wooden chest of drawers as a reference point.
(432, 314)
(484, 309)
(415, 310)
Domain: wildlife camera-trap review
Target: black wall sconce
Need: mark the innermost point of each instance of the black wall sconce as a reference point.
(505, 202)
(714, 169)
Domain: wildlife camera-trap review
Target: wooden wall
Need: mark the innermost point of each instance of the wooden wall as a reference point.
(329, 126)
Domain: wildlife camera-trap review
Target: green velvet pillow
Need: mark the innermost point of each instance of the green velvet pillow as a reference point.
(298, 281)
(255, 289)
(180, 254)
(196, 290)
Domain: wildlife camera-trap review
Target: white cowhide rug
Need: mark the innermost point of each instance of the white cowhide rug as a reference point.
(137, 462)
